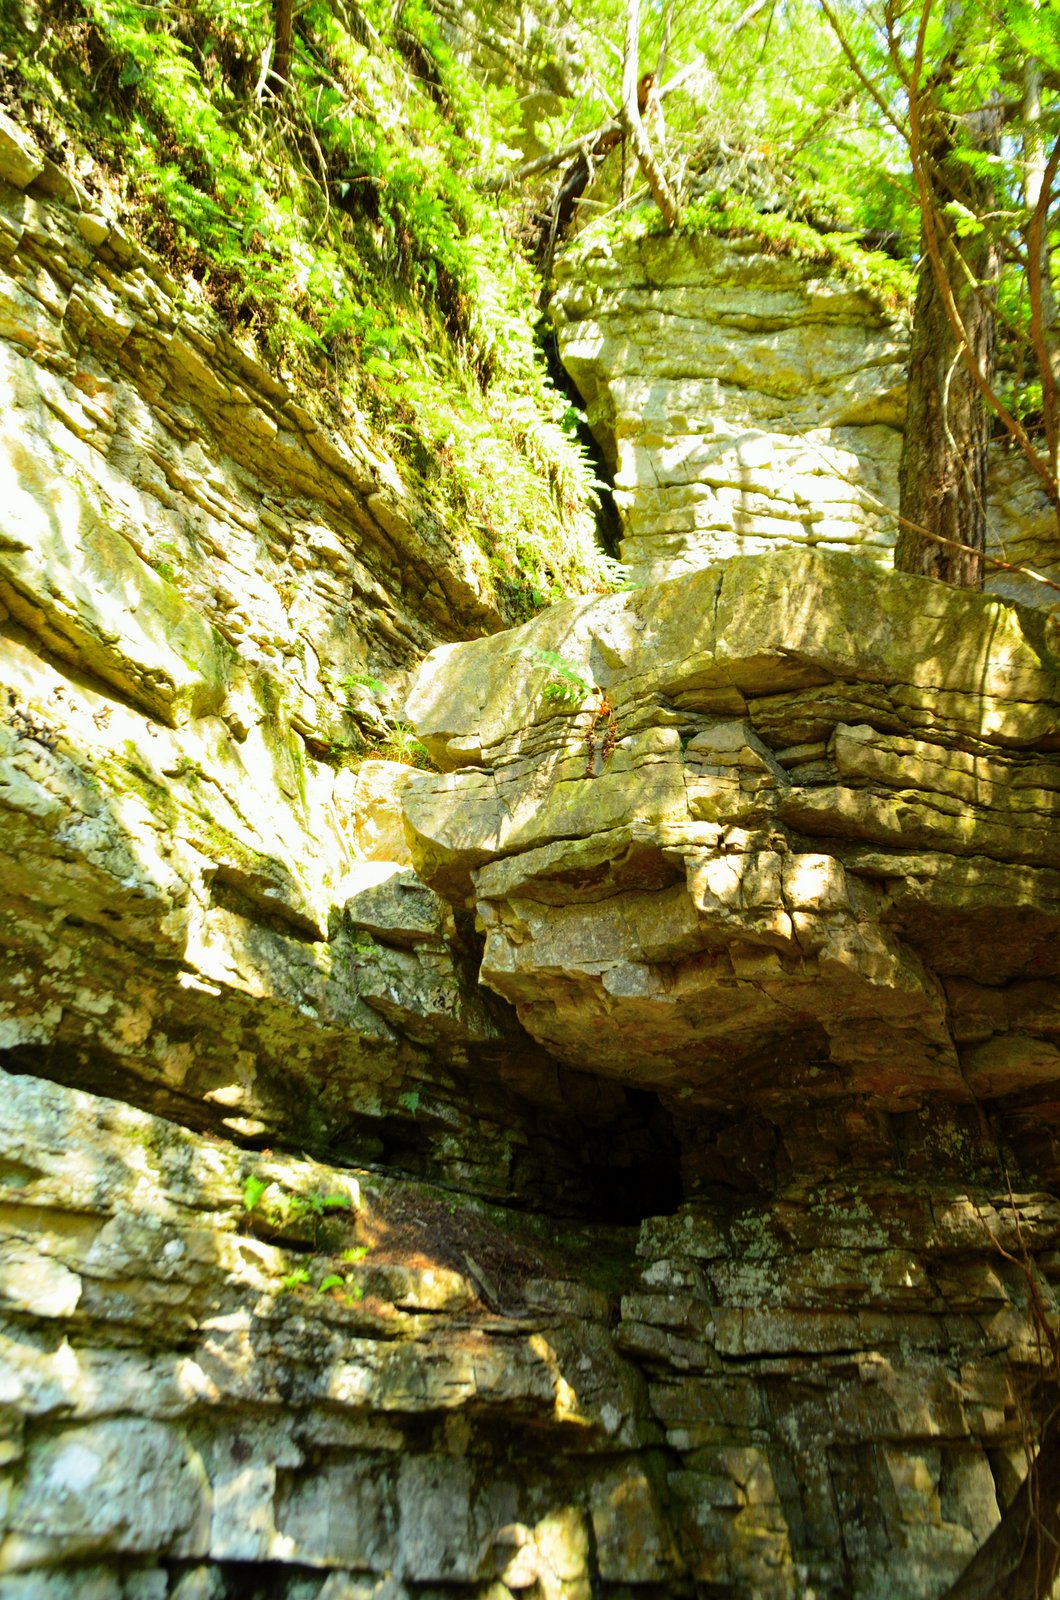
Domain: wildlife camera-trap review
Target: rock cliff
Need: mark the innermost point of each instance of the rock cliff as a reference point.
(767, 851)
(746, 401)
(616, 1164)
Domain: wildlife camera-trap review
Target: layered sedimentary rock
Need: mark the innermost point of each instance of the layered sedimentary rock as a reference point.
(737, 977)
(747, 401)
(228, 1375)
(795, 853)
(194, 573)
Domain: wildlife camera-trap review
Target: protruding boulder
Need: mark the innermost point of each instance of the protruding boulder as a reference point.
(741, 868)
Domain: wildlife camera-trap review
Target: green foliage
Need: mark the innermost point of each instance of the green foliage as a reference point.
(253, 1190)
(970, 98)
(565, 683)
(342, 1286)
(295, 1279)
(334, 223)
(278, 1209)
(401, 744)
(791, 125)
(362, 680)
(890, 282)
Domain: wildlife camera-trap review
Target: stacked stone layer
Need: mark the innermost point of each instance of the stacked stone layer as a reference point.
(746, 402)
(806, 855)
(209, 1392)
(757, 943)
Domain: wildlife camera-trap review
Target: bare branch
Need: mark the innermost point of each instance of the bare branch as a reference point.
(661, 192)
(604, 139)
(859, 72)
(925, 533)
(608, 134)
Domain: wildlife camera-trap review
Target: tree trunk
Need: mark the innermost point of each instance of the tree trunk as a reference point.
(283, 32)
(661, 192)
(1021, 1558)
(1039, 176)
(942, 476)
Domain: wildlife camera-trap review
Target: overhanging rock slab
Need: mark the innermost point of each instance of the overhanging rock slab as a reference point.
(700, 878)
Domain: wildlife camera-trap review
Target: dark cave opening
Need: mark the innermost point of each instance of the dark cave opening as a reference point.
(600, 1152)
(632, 1170)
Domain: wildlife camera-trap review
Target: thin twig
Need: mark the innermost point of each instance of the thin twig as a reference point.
(914, 527)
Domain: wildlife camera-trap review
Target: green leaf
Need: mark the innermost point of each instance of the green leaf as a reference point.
(253, 1189)
(966, 223)
(363, 680)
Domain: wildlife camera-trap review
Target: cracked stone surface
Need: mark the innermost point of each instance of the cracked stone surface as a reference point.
(746, 402)
(211, 1387)
(609, 1166)
(825, 838)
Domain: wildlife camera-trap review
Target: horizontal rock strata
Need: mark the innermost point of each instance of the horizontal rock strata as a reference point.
(723, 945)
(797, 846)
(194, 571)
(747, 401)
(229, 1375)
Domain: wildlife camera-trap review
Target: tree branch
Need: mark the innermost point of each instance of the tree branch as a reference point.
(859, 72)
(926, 533)
(661, 192)
(608, 134)
(605, 138)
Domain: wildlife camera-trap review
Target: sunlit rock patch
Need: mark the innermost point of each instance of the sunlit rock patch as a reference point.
(749, 401)
(826, 832)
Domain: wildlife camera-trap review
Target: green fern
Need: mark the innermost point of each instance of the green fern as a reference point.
(565, 684)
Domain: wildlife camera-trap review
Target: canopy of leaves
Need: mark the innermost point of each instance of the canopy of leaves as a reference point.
(360, 221)
(790, 120)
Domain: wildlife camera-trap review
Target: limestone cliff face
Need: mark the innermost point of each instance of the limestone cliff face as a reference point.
(795, 850)
(390, 1396)
(190, 567)
(746, 402)
(608, 1166)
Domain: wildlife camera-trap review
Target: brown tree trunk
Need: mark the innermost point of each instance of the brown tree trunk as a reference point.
(942, 476)
(283, 33)
(1021, 1558)
(1039, 178)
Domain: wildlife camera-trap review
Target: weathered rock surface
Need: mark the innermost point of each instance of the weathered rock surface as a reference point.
(231, 1375)
(746, 402)
(806, 857)
(778, 920)
(192, 573)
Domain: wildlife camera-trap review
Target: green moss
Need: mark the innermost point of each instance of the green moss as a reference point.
(891, 283)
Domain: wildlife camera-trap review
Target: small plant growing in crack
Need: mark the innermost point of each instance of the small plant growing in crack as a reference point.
(278, 1210)
(567, 685)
